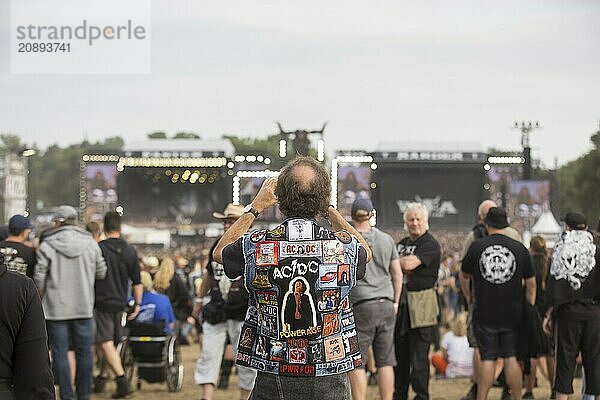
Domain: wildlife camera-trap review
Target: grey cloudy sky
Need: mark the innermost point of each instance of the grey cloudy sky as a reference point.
(377, 71)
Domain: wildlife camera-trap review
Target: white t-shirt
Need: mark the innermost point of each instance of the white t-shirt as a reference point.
(460, 355)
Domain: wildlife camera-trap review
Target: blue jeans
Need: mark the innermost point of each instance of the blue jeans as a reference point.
(81, 335)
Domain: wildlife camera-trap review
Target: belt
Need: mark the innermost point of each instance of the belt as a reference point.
(379, 299)
(5, 386)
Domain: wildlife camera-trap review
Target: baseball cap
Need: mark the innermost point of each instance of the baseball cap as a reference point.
(575, 220)
(64, 213)
(362, 204)
(18, 223)
(496, 218)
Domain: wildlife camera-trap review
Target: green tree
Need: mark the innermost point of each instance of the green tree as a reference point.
(186, 135)
(579, 184)
(157, 135)
(267, 147)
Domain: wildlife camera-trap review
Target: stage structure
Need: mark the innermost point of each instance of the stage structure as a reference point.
(167, 182)
(449, 179)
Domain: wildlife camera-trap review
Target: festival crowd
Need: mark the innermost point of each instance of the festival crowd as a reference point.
(317, 307)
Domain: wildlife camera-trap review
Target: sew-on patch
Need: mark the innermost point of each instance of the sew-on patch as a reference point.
(343, 275)
(333, 252)
(267, 253)
(331, 324)
(277, 233)
(334, 348)
(343, 237)
(257, 236)
(328, 300)
(299, 229)
(297, 355)
(328, 276)
(300, 249)
(247, 338)
(261, 280)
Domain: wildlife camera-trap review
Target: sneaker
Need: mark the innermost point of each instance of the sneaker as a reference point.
(100, 384)
(528, 396)
(123, 388)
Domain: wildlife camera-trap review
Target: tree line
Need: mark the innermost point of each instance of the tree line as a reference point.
(54, 176)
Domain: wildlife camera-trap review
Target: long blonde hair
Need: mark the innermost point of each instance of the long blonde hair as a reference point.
(459, 325)
(162, 278)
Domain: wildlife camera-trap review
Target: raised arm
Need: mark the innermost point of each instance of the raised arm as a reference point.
(264, 199)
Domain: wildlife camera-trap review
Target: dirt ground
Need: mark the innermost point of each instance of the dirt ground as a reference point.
(451, 389)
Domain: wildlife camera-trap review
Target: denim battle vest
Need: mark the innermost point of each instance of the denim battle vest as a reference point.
(299, 321)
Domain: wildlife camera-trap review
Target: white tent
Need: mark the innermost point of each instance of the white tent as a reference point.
(547, 227)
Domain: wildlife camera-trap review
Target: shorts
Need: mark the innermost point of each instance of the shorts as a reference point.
(108, 326)
(496, 343)
(572, 337)
(375, 321)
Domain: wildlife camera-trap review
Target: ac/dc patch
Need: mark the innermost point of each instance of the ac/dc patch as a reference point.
(334, 348)
(267, 253)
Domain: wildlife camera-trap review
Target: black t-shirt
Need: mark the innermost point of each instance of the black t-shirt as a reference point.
(428, 251)
(233, 260)
(498, 265)
(123, 266)
(24, 360)
(19, 257)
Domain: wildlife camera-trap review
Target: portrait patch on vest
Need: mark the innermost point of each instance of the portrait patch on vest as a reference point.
(278, 351)
(343, 275)
(328, 300)
(257, 236)
(267, 253)
(333, 252)
(297, 355)
(300, 249)
(328, 276)
(299, 316)
(267, 321)
(300, 229)
(334, 348)
(262, 347)
(331, 324)
(343, 237)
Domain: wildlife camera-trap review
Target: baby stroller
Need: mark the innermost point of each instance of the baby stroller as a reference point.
(151, 355)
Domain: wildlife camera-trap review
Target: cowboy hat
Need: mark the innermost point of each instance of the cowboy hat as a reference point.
(231, 211)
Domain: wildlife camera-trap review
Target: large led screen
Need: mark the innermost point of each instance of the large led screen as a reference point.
(450, 191)
(172, 196)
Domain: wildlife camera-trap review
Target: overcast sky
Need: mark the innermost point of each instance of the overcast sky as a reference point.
(377, 71)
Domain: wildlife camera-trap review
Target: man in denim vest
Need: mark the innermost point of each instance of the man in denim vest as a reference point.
(299, 323)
